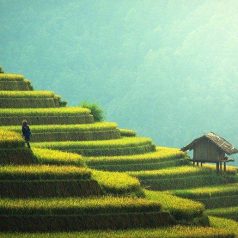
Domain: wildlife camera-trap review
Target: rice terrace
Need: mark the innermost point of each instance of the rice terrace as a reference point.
(75, 174)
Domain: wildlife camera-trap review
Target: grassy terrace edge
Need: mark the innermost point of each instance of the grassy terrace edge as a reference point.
(97, 126)
(36, 172)
(159, 155)
(43, 111)
(123, 142)
(53, 206)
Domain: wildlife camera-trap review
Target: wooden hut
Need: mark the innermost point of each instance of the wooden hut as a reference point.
(211, 148)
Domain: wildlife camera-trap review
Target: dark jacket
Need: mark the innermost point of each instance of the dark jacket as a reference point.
(26, 132)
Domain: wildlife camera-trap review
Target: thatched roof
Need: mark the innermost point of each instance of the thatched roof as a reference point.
(220, 142)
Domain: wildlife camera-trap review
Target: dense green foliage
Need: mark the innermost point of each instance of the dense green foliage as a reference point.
(95, 109)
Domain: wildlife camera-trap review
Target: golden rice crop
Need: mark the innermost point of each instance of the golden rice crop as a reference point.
(209, 191)
(73, 127)
(23, 172)
(10, 139)
(43, 111)
(26, 94)
(161, 154)
(12, 77)
(228, 212)
(124, 142)
(77, 205)
(169, 172)
(181, 208)
(169, 232)
(224, 223)
(127, 132)
(55, 157)
(115, 182)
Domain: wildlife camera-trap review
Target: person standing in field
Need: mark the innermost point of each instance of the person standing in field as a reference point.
(26, 133)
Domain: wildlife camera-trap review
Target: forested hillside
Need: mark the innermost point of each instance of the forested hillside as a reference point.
(167, 69)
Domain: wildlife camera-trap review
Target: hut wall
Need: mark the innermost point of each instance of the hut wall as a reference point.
(205, 150)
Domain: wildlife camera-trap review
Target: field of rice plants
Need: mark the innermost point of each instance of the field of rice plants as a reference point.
(51, 191)
(209, 191)
(127, 145)
(161, 154)
(170, 232)
(44, 116)
(97, 126)
(180, 208)
(53, 206)
(226, 212)
(227, 224)
(71, 132)
(117, 183)
(173, 172)
(36, 172)
(55, 157)
(9, 139)
(127, 132)
(11, 77)
(15, 85)
(16, 112)
(27, 94)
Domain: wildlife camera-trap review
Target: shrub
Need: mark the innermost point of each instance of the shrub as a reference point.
(95, 109)
(1, 70)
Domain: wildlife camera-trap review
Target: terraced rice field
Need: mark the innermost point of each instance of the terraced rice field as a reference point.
(161, 158)
(55, 188)
(71, 132)
(45, 116)
(121, 146)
